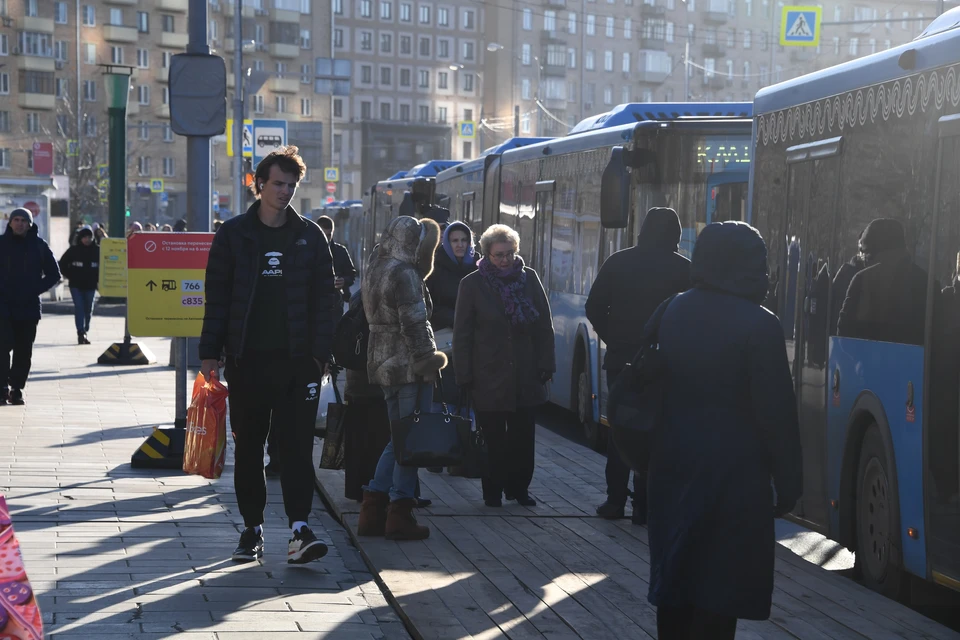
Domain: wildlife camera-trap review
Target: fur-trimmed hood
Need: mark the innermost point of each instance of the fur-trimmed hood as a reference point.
(413, 241)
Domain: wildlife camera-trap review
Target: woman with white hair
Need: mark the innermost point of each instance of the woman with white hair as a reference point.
(503, 357)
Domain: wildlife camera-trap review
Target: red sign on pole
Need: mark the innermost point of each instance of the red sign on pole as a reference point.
(42, 158)
(331, 187)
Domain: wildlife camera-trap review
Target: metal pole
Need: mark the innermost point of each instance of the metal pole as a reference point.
(118, 171)
(333, 56)
(774, 38)
(198, 147)
(686, 70)
(181, 357)
(75, 215)
(516, 121)
(238, 98)
(939, 7)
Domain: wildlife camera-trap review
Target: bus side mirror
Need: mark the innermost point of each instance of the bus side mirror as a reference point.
(615, 191)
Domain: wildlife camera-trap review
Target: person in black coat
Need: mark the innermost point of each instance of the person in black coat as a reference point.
(27, 270)
(81, 265)
(729, 428)
(343, 267)
(885, 301)
(455, 259)
(630, 286)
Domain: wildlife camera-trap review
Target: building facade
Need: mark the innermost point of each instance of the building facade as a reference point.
(52, 90)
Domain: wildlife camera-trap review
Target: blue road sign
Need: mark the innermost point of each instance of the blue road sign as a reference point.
(466, 130)
(267, 136)
(800, 26)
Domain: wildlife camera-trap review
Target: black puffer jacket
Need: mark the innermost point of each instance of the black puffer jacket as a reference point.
(444, 282)
(81, 265)
(231, 277)
(27, 270)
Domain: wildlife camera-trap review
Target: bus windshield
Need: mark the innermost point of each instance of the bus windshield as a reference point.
(703, 177)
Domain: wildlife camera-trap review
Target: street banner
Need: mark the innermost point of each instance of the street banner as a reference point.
(165, 283)
(113, 268)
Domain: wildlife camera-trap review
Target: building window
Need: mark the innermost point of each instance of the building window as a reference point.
(442, 80)
(89, 14)
(572, 23)
(443, 48)
(338, 38)
(305, 74)
(116, 55)
(424, 79)
(405, 112)
(258, 32)
(626, 63)
(168, 24)
(143, 22)
(306, 40)
(406, 12)
(468, 51)
(4, 44)
(608, 96)
(610, 27)
(385, 111)
(469, 19)
(365, 10)
(425, 47)
(116, 17)
(404, 77)
(306, 107)
(338, 108)
(165, 95)
(527, 20)
(588, 62)
(90, 126)
(572, 58)
(549, 20)
(386, 76)
(366, 74)
(165, 61)
(525, 88)
(406, 45)
(366, 110)
(62, 88)
(89, 53)
(143, 130)
(591, 25)
(31, 9)
(625, 94)
(167, 133)
(5, 122)
(386, 43)
(747, 42)
(442, 115)
(424, 113)
(281, 104)
(386, 10)
(33, 122)
(424, 14)
(608, 60)
(89, 90)
(525, 54)
(35, 44)
(525, 124)
(4, 158)
(366, 41)
(443, 17)
(467, 149)
(143, 166)
(468, 82)
(60, 13)
(169, 167)
(60, 51)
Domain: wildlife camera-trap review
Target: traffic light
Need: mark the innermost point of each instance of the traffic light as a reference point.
(128, 212)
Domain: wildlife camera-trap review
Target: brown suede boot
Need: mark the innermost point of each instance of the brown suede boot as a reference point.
(373, 514)
(402, 524)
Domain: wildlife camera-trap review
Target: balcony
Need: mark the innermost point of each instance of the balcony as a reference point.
(716, 82)
(133, 107)
(653, 44)
(285, 50)
(36, 63)
(175, 6)
(118, 33)
(282, 15)
(37, 25)
(716, 17)
(284, 85)
(555, 70)
(714, 50)
(173, 40)
(650, 77)
(652, 10)
(558, 4)
(163, 111)
(555, 104)
(37, 101)
(124, 3)
(552, 36)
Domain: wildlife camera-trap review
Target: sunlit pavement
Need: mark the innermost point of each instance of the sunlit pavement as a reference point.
(115, 552)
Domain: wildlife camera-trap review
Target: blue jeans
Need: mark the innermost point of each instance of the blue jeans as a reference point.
(400, 482)
(82, 307)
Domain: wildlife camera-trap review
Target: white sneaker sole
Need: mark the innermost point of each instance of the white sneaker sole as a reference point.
(256, 556)
(314, 551)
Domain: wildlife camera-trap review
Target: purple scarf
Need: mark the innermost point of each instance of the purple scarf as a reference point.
(510, 284)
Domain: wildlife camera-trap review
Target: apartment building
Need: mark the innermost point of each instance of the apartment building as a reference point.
(416, 78)
(52, 91)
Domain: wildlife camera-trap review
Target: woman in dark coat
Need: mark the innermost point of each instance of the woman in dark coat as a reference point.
(730, 430)
(503, 357)
(455, 260)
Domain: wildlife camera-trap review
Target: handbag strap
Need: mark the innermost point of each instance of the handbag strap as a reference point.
(333, 381)
(652, 330)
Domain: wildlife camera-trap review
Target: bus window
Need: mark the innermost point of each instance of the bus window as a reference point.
(728, 201)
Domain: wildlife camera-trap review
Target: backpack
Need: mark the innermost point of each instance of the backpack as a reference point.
(351, 337)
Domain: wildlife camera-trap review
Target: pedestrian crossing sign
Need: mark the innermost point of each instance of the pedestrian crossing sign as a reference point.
(800, 26)
(467, 129)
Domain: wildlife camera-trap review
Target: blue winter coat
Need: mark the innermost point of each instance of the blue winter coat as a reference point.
(730, 430)
(27, 270)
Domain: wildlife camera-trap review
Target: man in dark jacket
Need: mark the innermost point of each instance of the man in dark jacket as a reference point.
(630, 286)
(81, 265)
(345, 272)
(27, 269)
(270, 310)
(885, 301)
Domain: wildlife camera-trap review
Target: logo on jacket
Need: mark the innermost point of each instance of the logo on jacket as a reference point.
(301, 242)
(312, 391)
(273, 261)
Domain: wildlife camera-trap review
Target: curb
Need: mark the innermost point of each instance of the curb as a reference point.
(65, 308)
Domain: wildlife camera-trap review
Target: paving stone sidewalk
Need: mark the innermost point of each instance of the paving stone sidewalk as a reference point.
(115, 552)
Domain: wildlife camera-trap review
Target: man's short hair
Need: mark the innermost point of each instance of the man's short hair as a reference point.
(287, 158)
(326, 223)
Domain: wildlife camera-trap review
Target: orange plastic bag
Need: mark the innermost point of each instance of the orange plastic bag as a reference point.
(205, 448)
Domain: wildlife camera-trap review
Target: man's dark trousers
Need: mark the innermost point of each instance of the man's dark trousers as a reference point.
(618, 474)
(16, 336)
(289, 388)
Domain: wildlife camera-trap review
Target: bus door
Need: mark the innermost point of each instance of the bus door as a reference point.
(543, 214)
(727, 197)
(812, 215)
(942, 425)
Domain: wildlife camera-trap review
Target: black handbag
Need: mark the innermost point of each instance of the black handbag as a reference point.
(635, 405)
(332, 456)
(475, 457)
(430, 439)
(350, 339)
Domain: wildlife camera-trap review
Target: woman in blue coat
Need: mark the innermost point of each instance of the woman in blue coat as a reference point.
(727, 459)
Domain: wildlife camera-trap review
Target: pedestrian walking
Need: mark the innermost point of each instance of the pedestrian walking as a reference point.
(180, 226)
(80, 264)
(344, 270)
(135, 227)
(619, 305)
(99, 233)
(27, 270)
(269, 309)
(402, 358)
(503, 353)
(729, 427)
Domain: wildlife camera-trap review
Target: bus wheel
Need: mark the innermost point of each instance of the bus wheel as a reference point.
(879, 559)
(591, 430)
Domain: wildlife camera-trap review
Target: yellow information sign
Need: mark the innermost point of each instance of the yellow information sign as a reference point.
(113, 268)
(165, 283)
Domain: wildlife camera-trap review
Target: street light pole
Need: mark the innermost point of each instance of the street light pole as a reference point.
(238, 98)
(117, 85)
(198, 147)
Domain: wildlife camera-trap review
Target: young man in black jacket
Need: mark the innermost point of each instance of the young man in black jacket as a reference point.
(270, 311)
(81, 265)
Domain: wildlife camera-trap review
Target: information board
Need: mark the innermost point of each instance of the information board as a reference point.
(165, 283)
(113, 268)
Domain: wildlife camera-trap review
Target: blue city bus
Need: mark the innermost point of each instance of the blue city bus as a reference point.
(878, 391)
(575, 200)
(460, 188)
